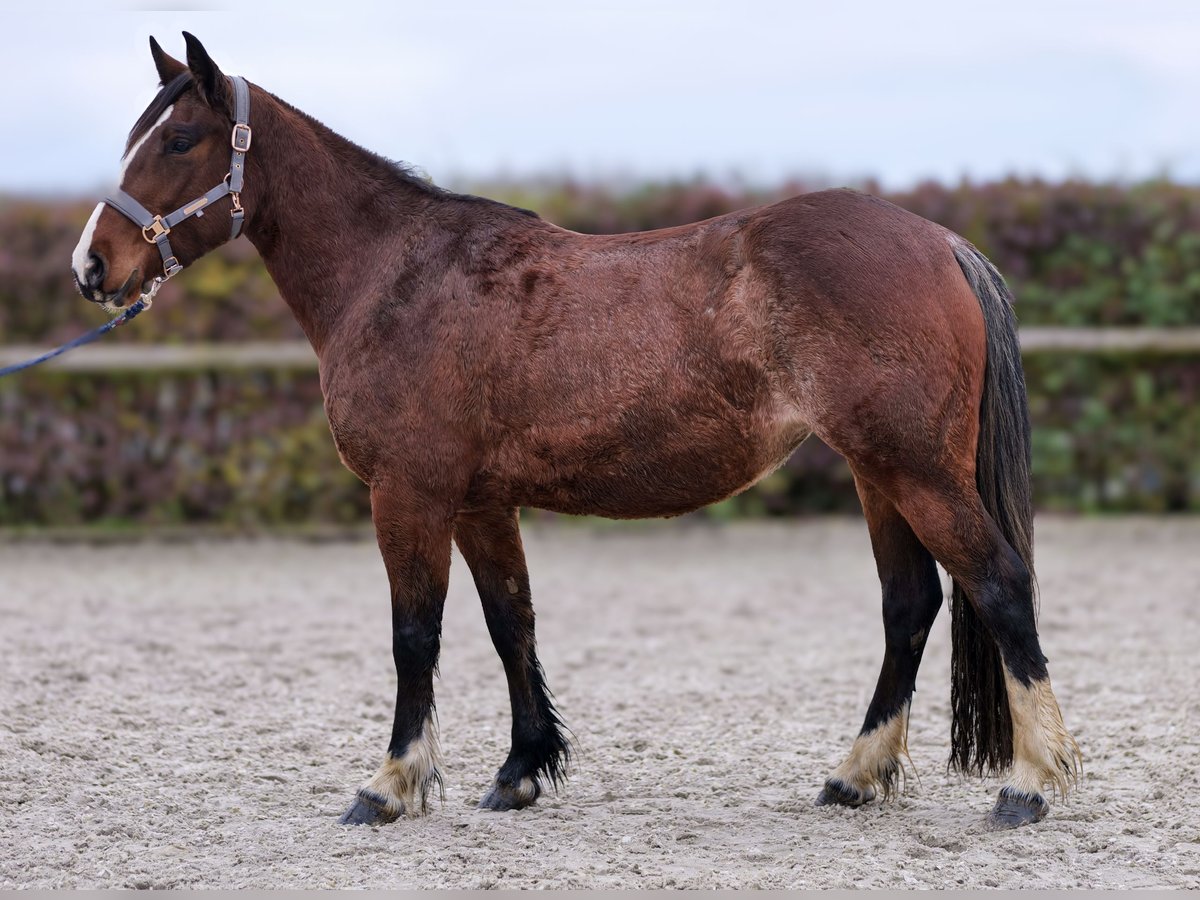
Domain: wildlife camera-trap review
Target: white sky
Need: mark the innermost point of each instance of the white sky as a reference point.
(898, 90)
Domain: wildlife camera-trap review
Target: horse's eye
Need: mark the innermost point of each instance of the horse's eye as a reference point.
(179, 145)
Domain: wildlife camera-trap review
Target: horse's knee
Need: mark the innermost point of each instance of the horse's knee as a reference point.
(415, 644)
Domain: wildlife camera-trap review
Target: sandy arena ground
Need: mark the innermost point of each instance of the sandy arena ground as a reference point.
(200, 714)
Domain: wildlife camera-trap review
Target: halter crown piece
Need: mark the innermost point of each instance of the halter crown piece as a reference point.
(156, 229)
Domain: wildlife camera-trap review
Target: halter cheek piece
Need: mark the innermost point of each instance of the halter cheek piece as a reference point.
(155, 229)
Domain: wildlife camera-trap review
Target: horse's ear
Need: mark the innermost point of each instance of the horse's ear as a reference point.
(210, 83)
(168, 67)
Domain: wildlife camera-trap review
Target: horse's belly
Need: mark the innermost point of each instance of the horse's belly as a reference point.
(661, 472)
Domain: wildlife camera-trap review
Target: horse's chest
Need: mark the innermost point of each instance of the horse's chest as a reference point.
(356, 446)
(364, 423)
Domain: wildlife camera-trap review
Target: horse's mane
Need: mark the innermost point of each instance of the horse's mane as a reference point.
(380, 167)
(389, 170)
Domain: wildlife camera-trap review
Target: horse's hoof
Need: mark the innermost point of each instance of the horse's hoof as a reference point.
(1014, 809)
(368, 808)
(511, 796)
(837, 793)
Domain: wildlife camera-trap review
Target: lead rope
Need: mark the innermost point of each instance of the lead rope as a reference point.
(142, 304)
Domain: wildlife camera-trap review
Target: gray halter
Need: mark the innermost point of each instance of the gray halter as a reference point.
(155, 229)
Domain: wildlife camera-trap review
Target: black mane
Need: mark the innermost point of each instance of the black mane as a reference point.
(385, 170)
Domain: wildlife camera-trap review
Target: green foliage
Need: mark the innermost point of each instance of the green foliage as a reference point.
(1115, 433)
(233, 448)
(1111, 434)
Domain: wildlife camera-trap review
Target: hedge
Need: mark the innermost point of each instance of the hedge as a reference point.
(1111, 434)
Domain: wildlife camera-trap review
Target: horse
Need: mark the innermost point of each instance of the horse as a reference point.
(475, 359)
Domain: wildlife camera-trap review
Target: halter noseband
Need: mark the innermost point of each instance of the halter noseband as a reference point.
(155, 229)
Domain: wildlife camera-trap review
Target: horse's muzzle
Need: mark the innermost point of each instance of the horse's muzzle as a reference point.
(89, 287)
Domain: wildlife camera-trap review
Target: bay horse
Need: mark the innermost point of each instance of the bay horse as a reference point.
(475, 359)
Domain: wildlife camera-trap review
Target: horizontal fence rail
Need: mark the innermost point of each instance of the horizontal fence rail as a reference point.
(299, 356)
(1045, 339)
(278, 355)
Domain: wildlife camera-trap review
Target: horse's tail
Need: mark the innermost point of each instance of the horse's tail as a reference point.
(981, 732)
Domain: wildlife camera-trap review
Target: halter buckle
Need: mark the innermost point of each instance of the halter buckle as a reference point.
(155, 230)
(242, 136)
(171, 267)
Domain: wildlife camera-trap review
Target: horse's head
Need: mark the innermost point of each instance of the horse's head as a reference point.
(177, 151)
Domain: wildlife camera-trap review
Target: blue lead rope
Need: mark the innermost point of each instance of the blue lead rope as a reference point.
(104, 329)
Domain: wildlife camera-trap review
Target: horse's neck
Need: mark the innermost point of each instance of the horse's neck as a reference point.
(314, 215)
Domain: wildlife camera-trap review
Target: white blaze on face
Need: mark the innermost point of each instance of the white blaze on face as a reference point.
(80, 256)
(133, 151)
(83, 249)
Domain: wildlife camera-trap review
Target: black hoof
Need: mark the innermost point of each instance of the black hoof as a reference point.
(837, 793)
(1014, 809)
(511, 796)
(368, 808)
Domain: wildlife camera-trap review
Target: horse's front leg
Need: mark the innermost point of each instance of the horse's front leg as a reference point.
(491, 544)
(414, 537)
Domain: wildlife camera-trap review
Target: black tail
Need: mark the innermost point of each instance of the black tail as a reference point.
(981, 732)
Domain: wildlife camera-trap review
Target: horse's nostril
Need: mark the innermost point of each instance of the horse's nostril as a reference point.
(96, 270)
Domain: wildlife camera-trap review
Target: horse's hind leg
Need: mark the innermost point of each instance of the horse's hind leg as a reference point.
(491, 544)
(414, 538)
(952, 522)
(912, 596)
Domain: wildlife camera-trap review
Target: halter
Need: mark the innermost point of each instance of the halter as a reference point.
(155, 229)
